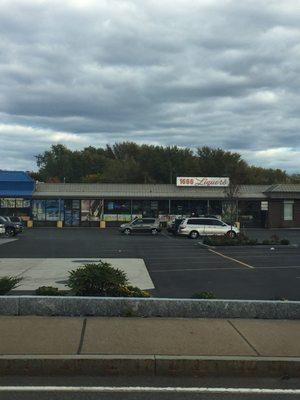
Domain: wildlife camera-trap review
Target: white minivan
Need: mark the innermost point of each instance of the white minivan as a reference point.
(195, 227)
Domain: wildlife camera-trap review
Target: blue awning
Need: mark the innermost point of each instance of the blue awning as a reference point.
(16, 193)
(16, 184)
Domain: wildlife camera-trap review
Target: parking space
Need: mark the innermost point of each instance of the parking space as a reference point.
(177, 266)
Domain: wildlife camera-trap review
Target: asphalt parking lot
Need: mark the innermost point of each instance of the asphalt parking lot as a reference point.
(177, 266)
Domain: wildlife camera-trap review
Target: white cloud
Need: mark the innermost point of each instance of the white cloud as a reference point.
(183, 72)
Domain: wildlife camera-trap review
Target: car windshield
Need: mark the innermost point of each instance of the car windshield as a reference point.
(149, 199)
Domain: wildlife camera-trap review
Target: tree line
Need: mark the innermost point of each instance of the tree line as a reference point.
(129, 162)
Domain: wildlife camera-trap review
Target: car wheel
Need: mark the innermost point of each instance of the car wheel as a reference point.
(194, 235)
(10, 232)
(231, 234)
(154, 231)
(127, 231)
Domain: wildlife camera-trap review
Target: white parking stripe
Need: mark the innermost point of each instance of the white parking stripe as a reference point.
(220, 269)
(5, 241)
(147, 389)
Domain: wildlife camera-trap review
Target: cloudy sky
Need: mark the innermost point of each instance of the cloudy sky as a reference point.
(185, 72)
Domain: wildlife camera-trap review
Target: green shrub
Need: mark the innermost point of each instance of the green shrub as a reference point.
(274, 239)
(7, 283)
(266, 241)
(219, 241)
(224, 240)
(203, 295)
(97, 279)
(128, 291)
(47, 291)
(284, 241)
(252, 242)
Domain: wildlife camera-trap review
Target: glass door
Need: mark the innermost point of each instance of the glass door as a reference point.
(72, 212)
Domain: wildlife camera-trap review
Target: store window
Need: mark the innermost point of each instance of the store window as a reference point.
(180, 207)
(91, 210)
(150, 208)
(54, 210)
(198, 207)
(39, 210)
(47, 210)
(14, 203)
(215, 207)
(8, 203)
(288, 210)
(113, 206)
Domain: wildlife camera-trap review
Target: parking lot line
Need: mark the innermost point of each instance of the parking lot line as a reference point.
(198, 269)
(221, 269)
(232, 259)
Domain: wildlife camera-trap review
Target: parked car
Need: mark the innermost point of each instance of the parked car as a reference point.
(17, 221)
(174, 225)
(11, 228)
(141, 225)
(195, 227)
(2, 229)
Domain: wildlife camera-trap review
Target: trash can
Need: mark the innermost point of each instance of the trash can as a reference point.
(102, 224)
(237, 224)
(29, 224)
(59, 224)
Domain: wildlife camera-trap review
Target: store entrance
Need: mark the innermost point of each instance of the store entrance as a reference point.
(72, 212)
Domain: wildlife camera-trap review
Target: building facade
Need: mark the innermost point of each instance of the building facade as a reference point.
(268, 206)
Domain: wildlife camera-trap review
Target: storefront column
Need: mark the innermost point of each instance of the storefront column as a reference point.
(169, 207)
(131, 208)
(208, 207)
(59, 209)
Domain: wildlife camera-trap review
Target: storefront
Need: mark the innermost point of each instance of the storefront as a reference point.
(275, 206)
(88, 204)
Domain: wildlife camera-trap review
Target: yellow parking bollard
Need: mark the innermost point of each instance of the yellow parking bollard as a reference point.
(102, 224)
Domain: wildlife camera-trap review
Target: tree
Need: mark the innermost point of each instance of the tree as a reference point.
(129, 162)
(232, 195)
(218, 162)
(56, 162)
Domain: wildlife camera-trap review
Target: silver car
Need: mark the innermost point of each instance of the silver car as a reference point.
(195, 227)
(141, 225)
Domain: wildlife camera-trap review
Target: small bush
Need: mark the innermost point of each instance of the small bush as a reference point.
(98, 279)
(220, 241)
(203, 295)
(266, 241)
(274, 239)
(284, 241)
(128, 291)
(240, 240)
(252, 242)
(47, 291)
(7, 283)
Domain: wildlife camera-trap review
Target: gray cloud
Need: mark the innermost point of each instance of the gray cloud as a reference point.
(183, 72)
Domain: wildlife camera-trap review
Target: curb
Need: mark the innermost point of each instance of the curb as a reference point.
(68, 306)
(129, 365)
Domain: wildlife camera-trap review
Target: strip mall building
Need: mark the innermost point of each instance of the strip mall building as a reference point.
(79, 204)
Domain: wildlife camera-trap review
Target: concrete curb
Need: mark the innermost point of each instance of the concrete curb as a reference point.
(68, 306)
(106, 365)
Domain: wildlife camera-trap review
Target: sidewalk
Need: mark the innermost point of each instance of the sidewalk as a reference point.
(88, 338)
(149, 336)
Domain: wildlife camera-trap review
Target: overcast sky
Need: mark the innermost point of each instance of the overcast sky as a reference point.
(185, 72)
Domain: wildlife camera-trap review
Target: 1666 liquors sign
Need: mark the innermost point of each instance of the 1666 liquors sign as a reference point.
(203, 181)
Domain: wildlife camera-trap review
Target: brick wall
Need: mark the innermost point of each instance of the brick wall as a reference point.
(275, 217)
